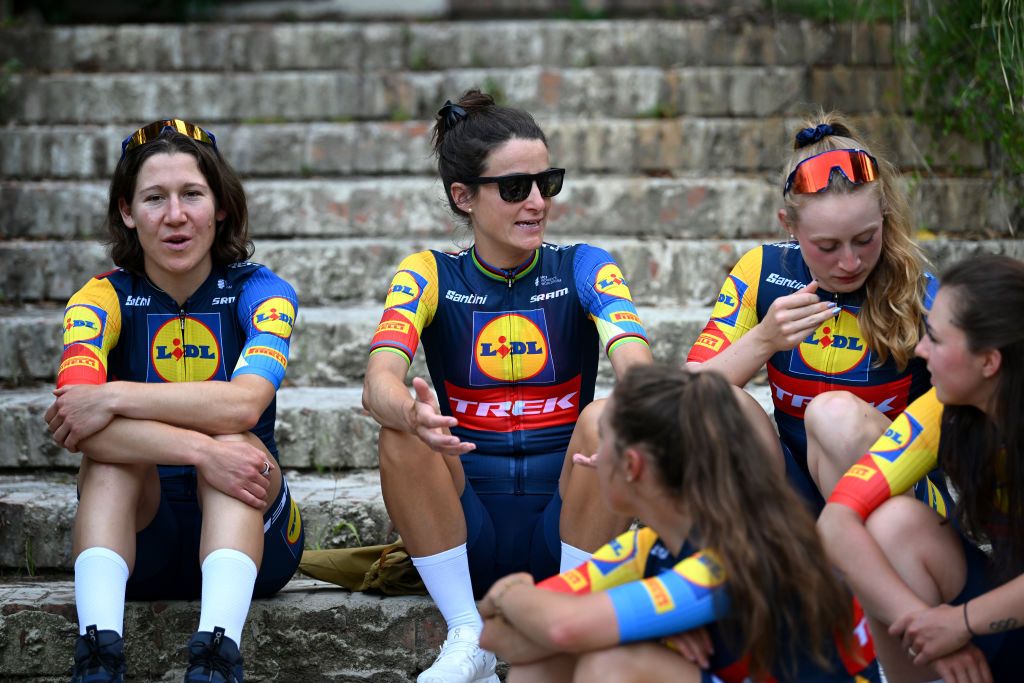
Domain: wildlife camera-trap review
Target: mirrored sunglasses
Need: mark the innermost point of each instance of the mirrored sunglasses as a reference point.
(152, 131)
(813, 174)
(516, 187)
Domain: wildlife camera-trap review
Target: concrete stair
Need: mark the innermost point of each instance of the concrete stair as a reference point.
(672, 131)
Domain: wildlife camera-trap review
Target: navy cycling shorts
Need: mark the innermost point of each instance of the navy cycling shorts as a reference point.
(167, 550)
(512, 508)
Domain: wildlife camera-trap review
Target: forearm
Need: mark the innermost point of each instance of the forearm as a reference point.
(144, 441)
(385, 395)
(561, 623)
(213, 407)
(739, 361)
(866, 569)
(511, 644)
(1000, 609)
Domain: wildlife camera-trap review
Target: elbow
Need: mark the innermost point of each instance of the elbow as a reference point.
(245, 417)
(567, 635)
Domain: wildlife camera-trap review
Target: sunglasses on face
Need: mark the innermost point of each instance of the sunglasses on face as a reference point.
(152, 131)
(814, 173)
(516, 187)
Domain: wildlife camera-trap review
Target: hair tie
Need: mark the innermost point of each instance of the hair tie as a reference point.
(451, 113)
(808, 136)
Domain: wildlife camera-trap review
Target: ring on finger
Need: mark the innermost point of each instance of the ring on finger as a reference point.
(266, 468)
(910, 651)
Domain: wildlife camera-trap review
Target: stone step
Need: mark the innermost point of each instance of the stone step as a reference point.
(340, 508)
(690, 207)
(710, 146)
(328, 350)
(37, 512)
(623, 92)
(663, 272)
(310, 631)
(237, 46)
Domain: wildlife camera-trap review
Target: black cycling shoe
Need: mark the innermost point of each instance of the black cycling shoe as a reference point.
(213, 658)
(99, 657)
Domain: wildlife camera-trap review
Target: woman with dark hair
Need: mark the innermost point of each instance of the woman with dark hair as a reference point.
(476, 477)
(166, 386)
(939, 604)
(728, 547)
(834, 313)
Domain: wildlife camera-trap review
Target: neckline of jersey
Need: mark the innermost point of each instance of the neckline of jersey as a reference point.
(505, 274)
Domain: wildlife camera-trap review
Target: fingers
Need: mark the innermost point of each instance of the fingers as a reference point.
(422, 389)
(810, 288)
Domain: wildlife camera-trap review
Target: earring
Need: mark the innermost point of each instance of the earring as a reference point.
(469, 210)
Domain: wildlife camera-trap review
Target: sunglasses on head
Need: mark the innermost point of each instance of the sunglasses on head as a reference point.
(516, 187)
(814, 173)
(152, 131)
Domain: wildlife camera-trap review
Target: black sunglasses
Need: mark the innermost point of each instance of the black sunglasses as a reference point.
(516, 187)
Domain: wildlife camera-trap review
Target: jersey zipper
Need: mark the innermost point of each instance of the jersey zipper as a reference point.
(513, 394)
(183, 375)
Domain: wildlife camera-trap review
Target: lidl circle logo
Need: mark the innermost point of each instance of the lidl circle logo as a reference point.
(836, 347)
(189, 355)
(511, 347)
(703, 570)
(728, 302)
(81, 323)
(404, 290)
(276, 315)
(294, 524)
(609, 281)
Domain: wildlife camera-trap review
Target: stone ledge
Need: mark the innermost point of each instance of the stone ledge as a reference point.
(310, 631)
(710, 145)
(661, 272)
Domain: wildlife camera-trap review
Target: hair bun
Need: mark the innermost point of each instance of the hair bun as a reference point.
(808, 136)
(451, 114)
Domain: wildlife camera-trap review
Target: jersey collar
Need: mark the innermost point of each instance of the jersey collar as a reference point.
(509, 275)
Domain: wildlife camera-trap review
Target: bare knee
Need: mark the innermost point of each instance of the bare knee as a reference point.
(614, 665)
(831, 410)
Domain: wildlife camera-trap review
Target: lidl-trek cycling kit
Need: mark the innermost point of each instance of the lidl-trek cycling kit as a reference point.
(120, 326)
(512, 354)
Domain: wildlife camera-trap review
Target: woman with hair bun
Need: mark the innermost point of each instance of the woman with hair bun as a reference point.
(834, 313)
(476, 476)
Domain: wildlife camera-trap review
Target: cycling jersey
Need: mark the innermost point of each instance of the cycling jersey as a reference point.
(121, 326)
(657, 594)
(512, 353)
(833, 357)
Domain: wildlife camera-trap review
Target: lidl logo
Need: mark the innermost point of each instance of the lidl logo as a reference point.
(83, 323)
(835, 348)
(609, 281)
(188, 352)
(903, 430)
(406, 290)
(276, 315)
(294, 524)
(511, 346)
(727, 307)
(702, 570)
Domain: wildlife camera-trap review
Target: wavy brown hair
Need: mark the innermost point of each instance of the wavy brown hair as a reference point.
(784, 596)
(231, 242)
(892, 315)
(983, 452)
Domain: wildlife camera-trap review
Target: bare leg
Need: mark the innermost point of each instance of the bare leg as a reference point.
(557, 669)
(763, 426)
(840, 429)
(421, 492)
(638, 663)
(929, 558)
(586, 522)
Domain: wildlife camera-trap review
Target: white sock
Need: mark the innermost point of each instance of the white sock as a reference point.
(228, 580)
(100, 578)
(446, 576)
(572, 557)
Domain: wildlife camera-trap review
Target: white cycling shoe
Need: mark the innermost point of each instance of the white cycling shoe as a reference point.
(462, 660)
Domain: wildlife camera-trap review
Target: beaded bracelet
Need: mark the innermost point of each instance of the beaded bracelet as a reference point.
(966, 622)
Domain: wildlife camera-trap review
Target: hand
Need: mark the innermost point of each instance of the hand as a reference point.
(792, 317)
(585, 460)
(694, 645)
(931, 633)
(966, 665)
(78, 412)
(236, 468)
(490, 606)
(427, 422)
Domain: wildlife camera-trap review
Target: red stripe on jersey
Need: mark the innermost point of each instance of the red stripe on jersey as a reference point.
(711, 342)
(80, 365)
(498, 410)
(791, 395)
(863, 488)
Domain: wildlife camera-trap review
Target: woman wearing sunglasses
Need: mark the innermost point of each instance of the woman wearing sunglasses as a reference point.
(939, 605)
(834, 313)
(476, 477)
(728, 548)
(167, 383)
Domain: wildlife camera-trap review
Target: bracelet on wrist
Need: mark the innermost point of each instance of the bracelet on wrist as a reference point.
(967, 622)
